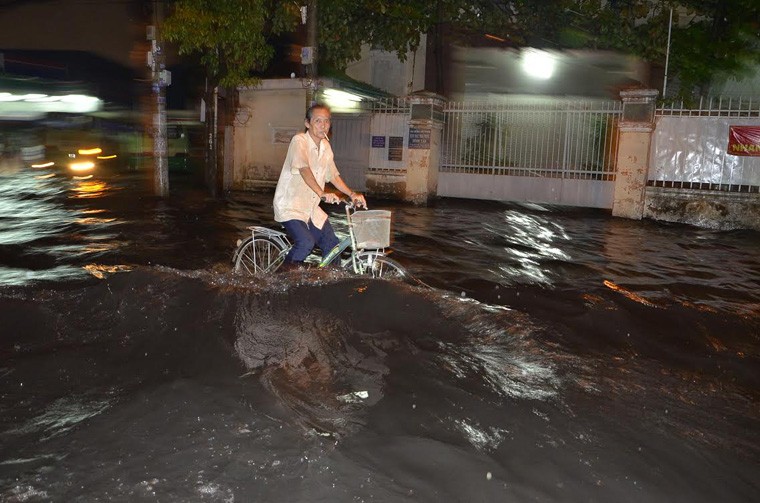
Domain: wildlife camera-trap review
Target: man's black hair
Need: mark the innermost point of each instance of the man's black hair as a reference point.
(311, 109)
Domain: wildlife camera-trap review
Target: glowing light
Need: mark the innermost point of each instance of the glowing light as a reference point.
(89, 151)
(538, 64)
(78, 98)
(81, 165)
(337, 99)
(44, 177)
(87, 177)
(9, 97)
(43, 165)
(30, 106)
(107, 156)
(41, 98)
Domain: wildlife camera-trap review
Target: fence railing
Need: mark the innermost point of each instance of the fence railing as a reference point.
(690, 146)
(390, 105)
(544, 137)
(715, 106)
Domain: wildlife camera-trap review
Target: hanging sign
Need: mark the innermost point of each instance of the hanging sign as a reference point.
(744, 140)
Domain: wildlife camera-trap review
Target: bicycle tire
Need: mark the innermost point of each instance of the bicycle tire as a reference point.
(259, 255)
(379, 266)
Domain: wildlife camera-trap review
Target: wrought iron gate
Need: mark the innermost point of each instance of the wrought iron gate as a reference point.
(549, 150)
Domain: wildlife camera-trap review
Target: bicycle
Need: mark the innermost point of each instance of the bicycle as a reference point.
(368, 237)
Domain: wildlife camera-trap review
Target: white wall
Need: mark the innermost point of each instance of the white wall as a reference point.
(386, 71)
(267, 118)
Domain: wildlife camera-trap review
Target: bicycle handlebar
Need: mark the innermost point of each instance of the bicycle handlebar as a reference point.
(350, 204)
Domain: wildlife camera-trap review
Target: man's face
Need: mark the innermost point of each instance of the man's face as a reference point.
(319, 125)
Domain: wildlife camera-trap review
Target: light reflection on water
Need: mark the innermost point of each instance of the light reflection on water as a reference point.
(46, 237)
(462, 246)
(89, 188)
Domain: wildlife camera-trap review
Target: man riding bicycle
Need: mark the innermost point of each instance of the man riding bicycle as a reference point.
(308, 166)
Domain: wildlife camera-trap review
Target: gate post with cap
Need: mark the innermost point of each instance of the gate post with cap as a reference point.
(632, 161)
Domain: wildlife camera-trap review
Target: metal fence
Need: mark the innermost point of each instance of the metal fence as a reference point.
(539, 137)
(712, 107)
(690, 146)
(390, 105)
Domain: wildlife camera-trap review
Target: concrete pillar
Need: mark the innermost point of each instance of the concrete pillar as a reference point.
(423, 147)
(632, 162)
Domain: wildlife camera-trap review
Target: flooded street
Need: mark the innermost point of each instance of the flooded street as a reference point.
(548, 354)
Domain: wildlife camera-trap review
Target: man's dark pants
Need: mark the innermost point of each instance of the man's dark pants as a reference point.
(305, 236)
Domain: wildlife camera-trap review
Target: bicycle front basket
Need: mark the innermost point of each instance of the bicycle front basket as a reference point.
(372, 228)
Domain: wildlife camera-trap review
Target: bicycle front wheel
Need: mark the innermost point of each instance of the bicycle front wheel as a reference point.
(378, 266)
(258, 255)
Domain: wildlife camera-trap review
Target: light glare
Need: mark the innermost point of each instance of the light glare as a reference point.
(538, 64)
(81, 166)
(90, 151)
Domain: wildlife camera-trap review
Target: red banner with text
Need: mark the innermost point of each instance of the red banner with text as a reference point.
(744, 140)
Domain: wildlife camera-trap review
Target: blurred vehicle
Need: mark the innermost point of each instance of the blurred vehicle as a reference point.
(182, 151)
(178, 148)
(77, 153)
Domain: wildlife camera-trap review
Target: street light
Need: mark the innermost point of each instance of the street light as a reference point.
(538, 64)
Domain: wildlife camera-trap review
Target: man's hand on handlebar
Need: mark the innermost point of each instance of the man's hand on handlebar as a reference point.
(358, 200)
(331, 198)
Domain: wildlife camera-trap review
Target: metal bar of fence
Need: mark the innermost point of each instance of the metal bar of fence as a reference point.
(576, 140)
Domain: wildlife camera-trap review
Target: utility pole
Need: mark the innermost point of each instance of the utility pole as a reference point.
(667, 55)
(309, 54)
(160, 78)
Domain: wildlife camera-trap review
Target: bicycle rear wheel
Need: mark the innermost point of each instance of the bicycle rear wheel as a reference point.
(258, 255)
(379, 266)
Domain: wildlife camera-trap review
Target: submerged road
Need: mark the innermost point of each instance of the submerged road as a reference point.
(559, 355)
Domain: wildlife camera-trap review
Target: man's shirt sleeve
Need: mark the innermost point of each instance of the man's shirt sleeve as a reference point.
(300, 157)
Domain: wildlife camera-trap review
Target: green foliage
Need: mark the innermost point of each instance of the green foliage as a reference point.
(710, 40)
(344, 25)
(230, 36)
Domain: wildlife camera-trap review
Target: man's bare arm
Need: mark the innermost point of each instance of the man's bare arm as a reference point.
(311, 182)
(339, 184)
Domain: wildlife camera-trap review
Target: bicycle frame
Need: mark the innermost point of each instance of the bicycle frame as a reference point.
(345, 243)
(279, 237)
(284, 243)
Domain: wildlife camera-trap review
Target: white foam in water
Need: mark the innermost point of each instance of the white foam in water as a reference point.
(507, 374)
(63, 414)
(215, 492)
(21, 461)
(507, 363)
(26, 493)
(479, 438)
(353, 397)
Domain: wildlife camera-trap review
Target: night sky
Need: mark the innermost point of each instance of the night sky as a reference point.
(108, 28)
